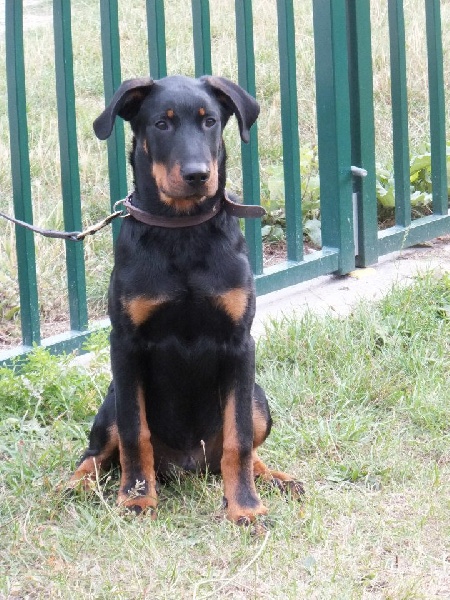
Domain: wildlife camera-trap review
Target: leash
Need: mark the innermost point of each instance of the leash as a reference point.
(73, 236)
(252, 211)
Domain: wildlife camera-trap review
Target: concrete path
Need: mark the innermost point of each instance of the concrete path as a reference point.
(339, 294)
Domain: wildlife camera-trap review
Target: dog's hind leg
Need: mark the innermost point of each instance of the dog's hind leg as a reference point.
(103, 447)
(262, 423)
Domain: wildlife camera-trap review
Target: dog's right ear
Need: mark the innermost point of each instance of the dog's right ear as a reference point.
(126, 103)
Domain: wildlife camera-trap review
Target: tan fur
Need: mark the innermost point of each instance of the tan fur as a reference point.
(146, 459)
(259, 428)
(140, 309)
(175, 192)
(234, 303)
(181, 205)
(86, 473)
(231, 467)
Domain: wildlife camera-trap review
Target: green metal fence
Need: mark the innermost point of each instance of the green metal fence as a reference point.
(345, 125)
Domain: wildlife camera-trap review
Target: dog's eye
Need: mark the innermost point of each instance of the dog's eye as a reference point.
(210, 122)
(162, 125)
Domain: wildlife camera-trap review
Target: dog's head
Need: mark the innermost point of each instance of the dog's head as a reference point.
(177, 124)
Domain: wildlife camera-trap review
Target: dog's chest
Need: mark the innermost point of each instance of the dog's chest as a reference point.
(210, 296)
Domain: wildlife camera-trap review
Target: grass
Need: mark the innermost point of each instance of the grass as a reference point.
(42, 121)
(361, 407)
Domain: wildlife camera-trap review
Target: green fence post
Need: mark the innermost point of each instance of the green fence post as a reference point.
(111, 81)
(399, 96)
(202, 37)
(156, 38)
(333, 119)
(20, 170)
(437, 107)
(250, 158)
(70, 182)
(289, 124)
(362, 128)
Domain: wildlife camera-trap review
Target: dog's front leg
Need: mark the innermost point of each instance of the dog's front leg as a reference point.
(138, 482)
(243, 503)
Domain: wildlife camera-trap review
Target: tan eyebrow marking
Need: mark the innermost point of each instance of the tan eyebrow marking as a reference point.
(170, 113)
(202, 112)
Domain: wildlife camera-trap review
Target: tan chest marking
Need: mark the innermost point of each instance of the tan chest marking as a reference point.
(141, 308)
(234, 303)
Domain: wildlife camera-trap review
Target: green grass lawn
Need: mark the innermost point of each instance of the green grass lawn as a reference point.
(362, 410)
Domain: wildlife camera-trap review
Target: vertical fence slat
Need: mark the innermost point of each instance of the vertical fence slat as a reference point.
(202, 37)
(437, 107)
(156, 27)
(111, 81)
(399, 96)
(362, 128)
(20, 169)
(250, 157)
(70, 182)
(333, 118)
(289, 124)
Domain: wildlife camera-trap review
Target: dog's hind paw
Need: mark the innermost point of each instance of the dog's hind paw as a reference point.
(291, 487)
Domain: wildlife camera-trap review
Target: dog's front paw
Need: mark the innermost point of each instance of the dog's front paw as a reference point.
(138, 504)
(139, 499)
(242, 515)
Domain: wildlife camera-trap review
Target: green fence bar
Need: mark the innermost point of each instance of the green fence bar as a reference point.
(345, 120)
(333, 118)
(289, 273)
(289, 125)
(399, 96)
(111, 81)
(70, 182)
(362, 128)
(420, 230)
(250, 157)
(156, 27)
(437, 107)
(20, 169)
(202, 37)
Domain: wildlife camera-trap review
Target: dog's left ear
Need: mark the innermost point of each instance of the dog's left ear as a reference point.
(237, 101)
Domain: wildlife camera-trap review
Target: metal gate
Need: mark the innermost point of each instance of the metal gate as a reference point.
(346, 142)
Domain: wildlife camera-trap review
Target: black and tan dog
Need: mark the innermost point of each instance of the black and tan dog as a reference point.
(181, 304)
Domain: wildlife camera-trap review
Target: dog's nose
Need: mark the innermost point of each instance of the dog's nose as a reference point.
(196, 174)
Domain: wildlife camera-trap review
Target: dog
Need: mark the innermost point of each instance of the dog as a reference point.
(181, 304)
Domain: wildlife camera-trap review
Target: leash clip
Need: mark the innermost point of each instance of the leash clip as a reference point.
(119, 206)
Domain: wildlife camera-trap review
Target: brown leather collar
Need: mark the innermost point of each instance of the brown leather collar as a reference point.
(232, 208)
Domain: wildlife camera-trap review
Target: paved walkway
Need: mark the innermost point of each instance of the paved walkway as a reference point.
(339, 294)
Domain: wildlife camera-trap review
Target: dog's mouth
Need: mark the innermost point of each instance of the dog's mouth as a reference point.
(190, 196)
(182, 203)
